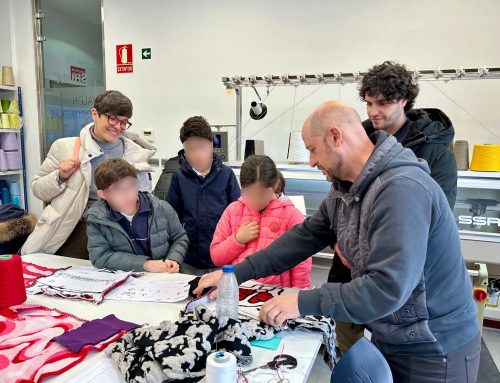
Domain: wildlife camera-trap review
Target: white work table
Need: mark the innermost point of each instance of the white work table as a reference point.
(98, 368)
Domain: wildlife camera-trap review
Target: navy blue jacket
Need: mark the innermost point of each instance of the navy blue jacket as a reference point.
(200, 202)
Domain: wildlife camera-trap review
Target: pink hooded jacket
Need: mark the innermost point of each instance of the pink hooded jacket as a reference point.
(277, 218)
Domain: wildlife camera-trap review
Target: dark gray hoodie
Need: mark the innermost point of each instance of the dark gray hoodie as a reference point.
(410, 283)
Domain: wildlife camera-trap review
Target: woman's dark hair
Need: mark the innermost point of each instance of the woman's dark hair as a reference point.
(392, 81)
(259, 169)
(196, 126)
(113, 102)
(113, 170)
(280, 187)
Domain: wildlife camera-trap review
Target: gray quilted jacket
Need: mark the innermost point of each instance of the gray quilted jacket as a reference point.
(110, 247)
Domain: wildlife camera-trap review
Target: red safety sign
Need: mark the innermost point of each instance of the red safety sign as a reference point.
(124, 61)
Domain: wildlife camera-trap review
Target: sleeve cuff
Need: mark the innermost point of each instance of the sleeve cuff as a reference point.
(138, 264)
(235, 241)
(244, 271)
(310, 302)
(176, 257)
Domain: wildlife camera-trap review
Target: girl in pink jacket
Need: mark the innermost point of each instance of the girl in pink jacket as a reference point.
(257, 219)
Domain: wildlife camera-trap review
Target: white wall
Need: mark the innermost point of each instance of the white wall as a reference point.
(194, 43)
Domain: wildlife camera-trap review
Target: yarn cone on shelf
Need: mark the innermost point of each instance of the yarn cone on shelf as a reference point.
(8, 141)
(3, 161)
(15, 121)
(7, 76)
(5, 121)
(486, 158)
(13, 160)
(461, 151)
(297, 152)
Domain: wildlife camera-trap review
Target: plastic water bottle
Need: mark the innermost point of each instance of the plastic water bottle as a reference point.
(227, 294)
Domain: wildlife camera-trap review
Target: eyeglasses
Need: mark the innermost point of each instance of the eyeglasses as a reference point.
(114, 121)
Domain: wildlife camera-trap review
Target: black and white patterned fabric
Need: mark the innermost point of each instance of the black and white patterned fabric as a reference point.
(318, 324)
(178, 351)
(174, 352)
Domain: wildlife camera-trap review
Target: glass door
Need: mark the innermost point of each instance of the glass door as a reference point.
(70, 65)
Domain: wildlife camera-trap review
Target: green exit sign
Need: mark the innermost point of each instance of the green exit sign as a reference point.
(146, 53)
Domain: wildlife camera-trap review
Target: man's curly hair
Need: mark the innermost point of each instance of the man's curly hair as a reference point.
(391, 80)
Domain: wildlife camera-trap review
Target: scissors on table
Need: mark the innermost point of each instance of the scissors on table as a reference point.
(279, 361)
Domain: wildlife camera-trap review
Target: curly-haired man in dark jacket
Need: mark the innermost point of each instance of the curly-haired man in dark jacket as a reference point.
(389, 91)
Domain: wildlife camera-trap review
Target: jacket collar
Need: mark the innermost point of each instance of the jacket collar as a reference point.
(424, 126)
(386, 148)
(275, 204)
(135, 147)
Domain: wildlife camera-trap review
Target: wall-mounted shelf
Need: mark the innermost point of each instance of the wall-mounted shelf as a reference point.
(10, 88)
(10, 130)
(11, 173)
(17, 175)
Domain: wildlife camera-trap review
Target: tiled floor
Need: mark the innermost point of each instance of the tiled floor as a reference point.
(321, 374)
(492, 339)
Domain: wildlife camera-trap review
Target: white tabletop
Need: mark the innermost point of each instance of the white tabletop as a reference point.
(97, 368)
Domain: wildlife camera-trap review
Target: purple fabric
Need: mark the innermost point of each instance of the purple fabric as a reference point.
(93, 332)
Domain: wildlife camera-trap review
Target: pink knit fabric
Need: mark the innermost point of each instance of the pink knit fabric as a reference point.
(27, 352)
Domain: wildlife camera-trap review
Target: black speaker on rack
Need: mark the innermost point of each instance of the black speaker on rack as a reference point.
(254, 147)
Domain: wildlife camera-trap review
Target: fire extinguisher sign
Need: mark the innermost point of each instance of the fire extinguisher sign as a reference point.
(124, 62)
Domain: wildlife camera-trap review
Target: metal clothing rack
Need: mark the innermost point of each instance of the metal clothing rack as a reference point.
(340, 78)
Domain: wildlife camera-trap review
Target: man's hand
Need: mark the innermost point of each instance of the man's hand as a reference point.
(67, 168)
(209, 280)
(278, 310)
(172, 266)
(155, 266)
(247, 232)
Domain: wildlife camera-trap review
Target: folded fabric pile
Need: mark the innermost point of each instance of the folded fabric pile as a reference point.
(28, 352)
(79, 283)
(174, 352)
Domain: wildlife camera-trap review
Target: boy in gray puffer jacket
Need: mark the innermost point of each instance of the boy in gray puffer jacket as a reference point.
(131, 230)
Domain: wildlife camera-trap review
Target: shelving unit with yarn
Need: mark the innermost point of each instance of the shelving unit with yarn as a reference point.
(13, 185)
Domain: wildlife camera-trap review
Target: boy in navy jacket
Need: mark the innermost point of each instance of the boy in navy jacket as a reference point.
(200, 192)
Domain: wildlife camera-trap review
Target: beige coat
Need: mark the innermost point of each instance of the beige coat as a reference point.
(67, 201)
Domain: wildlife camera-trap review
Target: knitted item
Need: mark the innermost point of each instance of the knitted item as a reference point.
(178, 351)
(27, 352)
(174, 352)
(318, 324)
(80, 283)
(32, 272)
(93, 332)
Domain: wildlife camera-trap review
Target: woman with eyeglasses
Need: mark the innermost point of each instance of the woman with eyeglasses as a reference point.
(65, 180)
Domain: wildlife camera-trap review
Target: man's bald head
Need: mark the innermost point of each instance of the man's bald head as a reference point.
(333, 113)
(336, 140)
